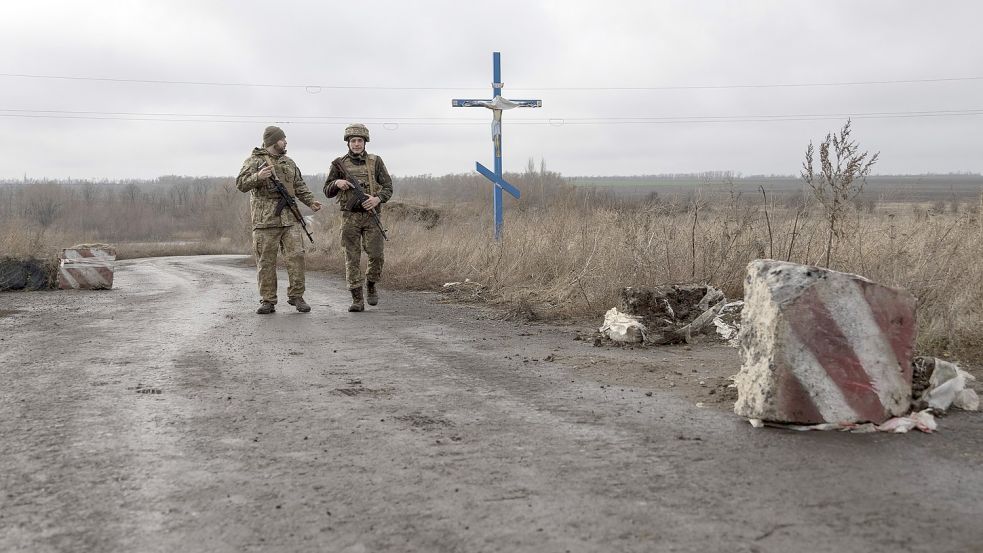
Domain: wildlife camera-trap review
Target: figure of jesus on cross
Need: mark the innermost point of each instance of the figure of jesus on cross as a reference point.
(497, 104)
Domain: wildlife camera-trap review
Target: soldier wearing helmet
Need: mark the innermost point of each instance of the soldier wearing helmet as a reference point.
(358, 230)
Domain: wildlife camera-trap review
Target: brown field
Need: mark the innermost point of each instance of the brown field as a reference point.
(567, 250)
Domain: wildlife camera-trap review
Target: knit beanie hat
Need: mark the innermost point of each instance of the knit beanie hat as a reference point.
(272, 135)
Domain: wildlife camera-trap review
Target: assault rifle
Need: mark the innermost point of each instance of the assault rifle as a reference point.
(358, 196)
(289, 202)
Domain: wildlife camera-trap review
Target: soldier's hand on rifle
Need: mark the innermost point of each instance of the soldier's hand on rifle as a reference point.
(371, 203)
(265, 172)
(342, 184)
(316, 206)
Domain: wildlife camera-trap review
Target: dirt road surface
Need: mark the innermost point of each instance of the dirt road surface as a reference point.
(164, 415)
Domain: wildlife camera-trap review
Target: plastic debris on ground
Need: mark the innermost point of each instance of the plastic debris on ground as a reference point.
(464, 290)
(947, 386)
(728, 322)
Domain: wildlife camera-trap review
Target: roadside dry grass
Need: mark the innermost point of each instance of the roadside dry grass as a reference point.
(566, 253)
(571, 261)
(22, 242)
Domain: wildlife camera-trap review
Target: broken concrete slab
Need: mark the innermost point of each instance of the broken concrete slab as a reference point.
(820, 346)
(672, 313)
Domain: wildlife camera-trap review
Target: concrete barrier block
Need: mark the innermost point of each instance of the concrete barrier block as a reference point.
(87, 268)
(822, 346)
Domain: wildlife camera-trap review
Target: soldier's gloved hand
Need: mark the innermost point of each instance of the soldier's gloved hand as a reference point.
(371, 203)
(265, 172)
(342, 184)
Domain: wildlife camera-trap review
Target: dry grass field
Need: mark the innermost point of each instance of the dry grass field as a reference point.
(566, 251)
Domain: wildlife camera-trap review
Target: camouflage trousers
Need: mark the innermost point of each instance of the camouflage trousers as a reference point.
(266, 243)
(358, 233)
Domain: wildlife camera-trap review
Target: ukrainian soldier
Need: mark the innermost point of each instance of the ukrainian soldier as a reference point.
(358, 228)
(273, 231)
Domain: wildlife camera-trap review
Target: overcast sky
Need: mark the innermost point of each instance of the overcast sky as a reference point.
(628, 87)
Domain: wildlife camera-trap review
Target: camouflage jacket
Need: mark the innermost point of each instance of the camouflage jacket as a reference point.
(263, 197)
(368, 169)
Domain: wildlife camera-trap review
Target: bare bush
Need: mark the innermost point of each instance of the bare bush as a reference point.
(50, 215)
(572, 260)
(840, 180)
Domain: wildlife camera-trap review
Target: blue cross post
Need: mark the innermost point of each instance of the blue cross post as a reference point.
(497, 104)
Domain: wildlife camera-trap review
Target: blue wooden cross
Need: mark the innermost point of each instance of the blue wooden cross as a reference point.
(497, 104)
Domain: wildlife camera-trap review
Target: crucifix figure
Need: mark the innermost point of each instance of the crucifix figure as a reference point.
(497, 104)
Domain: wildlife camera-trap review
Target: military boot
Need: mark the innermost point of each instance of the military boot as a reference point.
(300, 304)
(357, 303)
(265, 308)
(371, 296)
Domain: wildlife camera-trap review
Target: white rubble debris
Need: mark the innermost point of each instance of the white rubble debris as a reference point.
(622, 327)
(729, 331)
(947, 387)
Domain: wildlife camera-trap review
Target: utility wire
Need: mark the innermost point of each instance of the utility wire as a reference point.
(454, 122)
(254, 116)
(318, 88)
(458, 121)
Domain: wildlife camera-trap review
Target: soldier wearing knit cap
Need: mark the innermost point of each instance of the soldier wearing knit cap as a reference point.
(274, 231)
(272, 135)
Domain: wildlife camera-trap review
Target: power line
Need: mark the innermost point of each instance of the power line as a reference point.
(397, 121)
(314, 89)
(252, 118)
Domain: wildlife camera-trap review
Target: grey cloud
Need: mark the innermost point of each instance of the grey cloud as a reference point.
(449, 44)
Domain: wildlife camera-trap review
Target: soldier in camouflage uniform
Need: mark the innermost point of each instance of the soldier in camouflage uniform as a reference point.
(273, 232)
(358, 230)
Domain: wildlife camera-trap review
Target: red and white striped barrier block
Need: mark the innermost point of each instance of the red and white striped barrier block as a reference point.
(822, 346)
(87, 268)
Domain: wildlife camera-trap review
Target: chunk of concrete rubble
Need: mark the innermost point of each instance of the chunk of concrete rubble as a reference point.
(941, 384)
(820, 346)
(622, 327)
(673, 313)
(87, 267)
(728, 322)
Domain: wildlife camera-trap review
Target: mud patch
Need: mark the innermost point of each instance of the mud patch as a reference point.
(199, 368)
(9, 312)
(425, 422)
(355, 389)
(151, 390)
(700, 374)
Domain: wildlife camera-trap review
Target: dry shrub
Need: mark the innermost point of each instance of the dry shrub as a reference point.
(168, 216)
(565, 258)
(21, 240)
(133, 250)
(572, 259)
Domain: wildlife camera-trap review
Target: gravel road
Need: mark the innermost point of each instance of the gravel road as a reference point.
(164, 415)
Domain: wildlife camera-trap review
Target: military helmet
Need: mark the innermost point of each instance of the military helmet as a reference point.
(356, 129)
